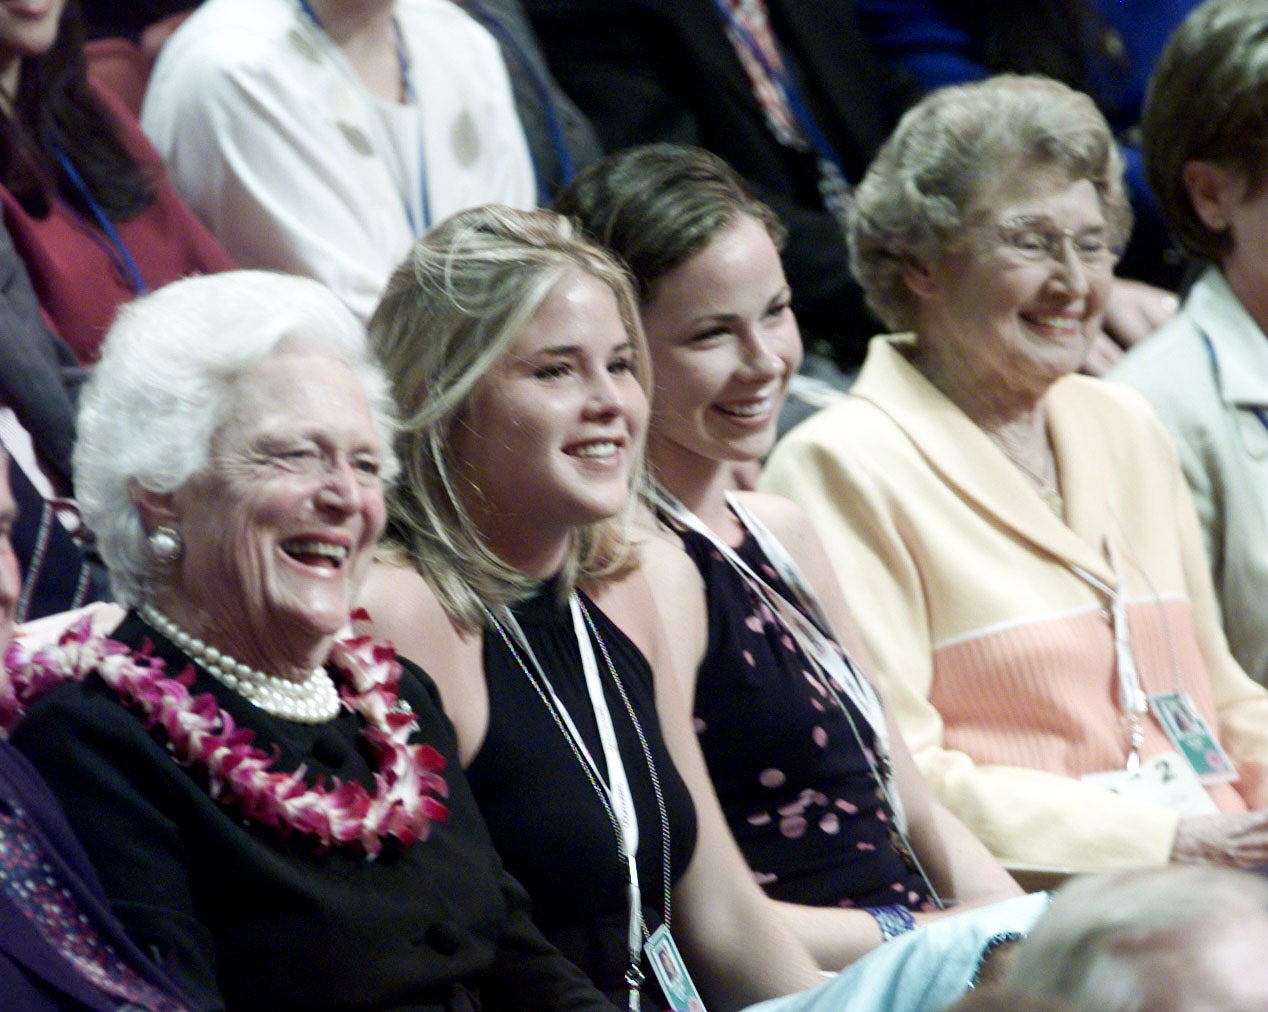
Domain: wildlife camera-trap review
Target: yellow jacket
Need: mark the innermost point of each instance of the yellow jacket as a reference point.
(996, 657)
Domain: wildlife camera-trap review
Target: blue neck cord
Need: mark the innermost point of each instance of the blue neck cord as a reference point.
(118, 251)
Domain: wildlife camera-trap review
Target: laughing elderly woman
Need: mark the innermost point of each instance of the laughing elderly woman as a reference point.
(1016, 542)
(266, 818)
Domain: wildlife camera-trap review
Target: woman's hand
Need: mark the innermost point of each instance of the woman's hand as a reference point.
(1134, 311)
(1240, 841)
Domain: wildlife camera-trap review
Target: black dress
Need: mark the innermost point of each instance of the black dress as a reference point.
(544, 815)
(794, 781)
(250, 921)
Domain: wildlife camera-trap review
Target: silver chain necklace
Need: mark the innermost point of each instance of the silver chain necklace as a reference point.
(634, 973)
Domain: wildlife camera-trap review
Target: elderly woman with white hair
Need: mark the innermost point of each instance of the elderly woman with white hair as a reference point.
(277, 813)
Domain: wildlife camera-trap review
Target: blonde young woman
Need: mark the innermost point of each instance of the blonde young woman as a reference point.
(515, 353)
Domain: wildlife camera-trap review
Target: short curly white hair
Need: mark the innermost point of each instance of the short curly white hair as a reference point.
(157, 397)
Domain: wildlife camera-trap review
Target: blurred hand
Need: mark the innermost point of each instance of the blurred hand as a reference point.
(1102, 355)
(1135, 310)
(1240, 841)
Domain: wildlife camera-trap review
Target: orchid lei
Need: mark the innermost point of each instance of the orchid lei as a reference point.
(408, 781)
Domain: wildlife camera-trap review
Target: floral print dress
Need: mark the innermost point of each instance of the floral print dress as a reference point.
(791, 759)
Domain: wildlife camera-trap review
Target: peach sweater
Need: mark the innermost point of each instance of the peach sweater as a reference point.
(996, 658)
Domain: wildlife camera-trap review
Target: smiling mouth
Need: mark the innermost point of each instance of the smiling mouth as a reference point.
(28, 8)
(602, 450)
(749, 409)
(1067, 324)
(317, 553)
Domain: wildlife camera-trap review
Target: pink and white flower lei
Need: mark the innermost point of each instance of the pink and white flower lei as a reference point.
(408, 782)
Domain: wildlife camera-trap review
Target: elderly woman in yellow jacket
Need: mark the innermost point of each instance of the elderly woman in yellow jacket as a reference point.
(1017, 542)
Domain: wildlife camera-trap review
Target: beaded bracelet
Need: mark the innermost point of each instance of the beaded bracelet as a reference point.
(892, 920)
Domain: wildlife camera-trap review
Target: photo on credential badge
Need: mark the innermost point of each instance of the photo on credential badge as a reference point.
(672, 975)
(1192, 738)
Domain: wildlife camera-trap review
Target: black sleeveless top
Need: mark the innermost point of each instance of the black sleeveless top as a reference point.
(793, 776)
(547, 820)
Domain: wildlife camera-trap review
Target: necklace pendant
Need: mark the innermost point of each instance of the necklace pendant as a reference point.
(900, 845)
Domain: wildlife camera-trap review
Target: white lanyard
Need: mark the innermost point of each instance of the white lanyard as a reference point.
(813, 640)
(616, 785)
(1132, 699)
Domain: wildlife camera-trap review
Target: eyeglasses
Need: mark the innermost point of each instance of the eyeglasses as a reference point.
(1034, 240)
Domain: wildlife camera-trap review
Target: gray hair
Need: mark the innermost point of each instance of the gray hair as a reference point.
(1101, 943)
(154, 402)
(946, 155)
(451, 311)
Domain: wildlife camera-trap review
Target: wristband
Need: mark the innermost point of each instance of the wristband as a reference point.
(892, 920)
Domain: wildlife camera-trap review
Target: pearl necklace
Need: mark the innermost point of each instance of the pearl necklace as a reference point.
(312, 701)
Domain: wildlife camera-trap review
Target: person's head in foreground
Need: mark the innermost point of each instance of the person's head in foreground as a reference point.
(232, 450)
(1178, 939)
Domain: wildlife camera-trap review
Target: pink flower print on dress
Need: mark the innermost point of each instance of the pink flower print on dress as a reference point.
(793, 827)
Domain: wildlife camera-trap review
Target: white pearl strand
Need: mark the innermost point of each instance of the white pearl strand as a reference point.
(312, 701)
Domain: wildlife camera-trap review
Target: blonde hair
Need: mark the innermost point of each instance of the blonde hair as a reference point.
(451, 311)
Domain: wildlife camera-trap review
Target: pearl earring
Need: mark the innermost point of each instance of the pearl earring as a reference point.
(166, 545)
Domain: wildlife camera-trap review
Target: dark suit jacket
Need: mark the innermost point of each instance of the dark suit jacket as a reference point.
(104, 18)
(34, 977)
(665, 70)
(39, 375)
(39, 380)
(538, 98)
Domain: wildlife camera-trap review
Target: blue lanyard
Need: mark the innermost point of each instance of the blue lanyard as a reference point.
(114, 246)
(541, 88)
(1259, 413)
(787, 83)
(411, 96)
